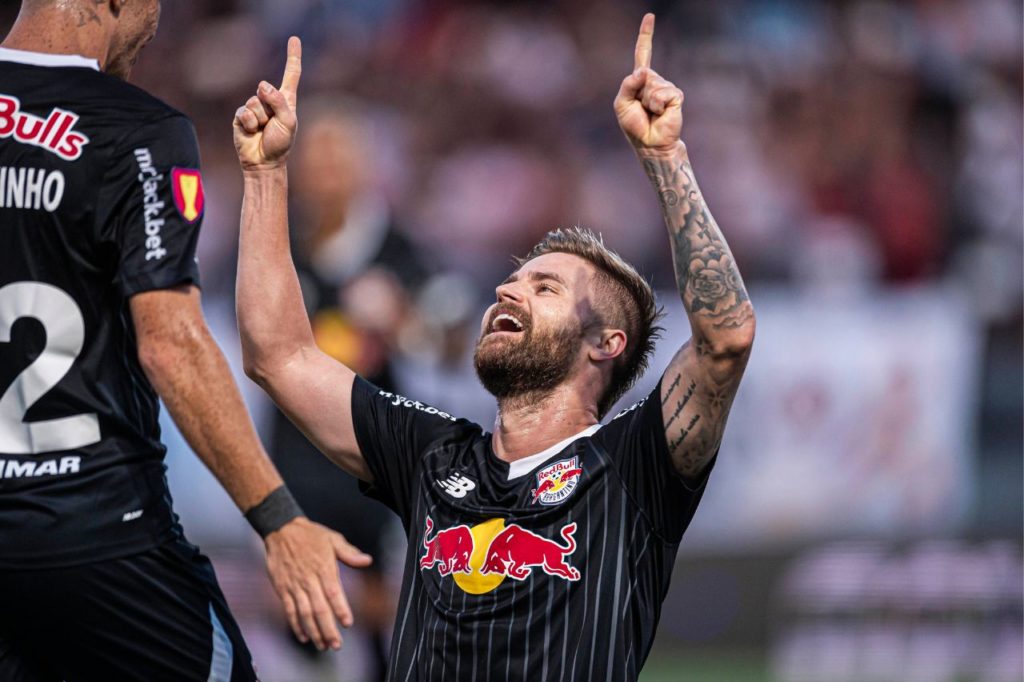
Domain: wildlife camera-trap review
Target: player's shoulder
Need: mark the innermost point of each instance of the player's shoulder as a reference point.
(110, 111)
(640, 416)
(78, 84)
(139, 99)
(441, 425)
(436, 414)
(631, 410)
(136, 108)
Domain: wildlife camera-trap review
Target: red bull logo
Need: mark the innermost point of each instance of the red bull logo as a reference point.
(449, 550)
(557, 481)
(516, 551)
(481, 557)
(55, 133)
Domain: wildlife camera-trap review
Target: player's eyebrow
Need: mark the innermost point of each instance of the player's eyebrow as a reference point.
(537, 276)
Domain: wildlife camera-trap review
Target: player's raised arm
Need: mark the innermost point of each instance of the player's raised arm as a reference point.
(278, 349)
(699, 385)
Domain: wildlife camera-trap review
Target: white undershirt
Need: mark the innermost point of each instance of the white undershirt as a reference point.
(46, 59)
(523, 466)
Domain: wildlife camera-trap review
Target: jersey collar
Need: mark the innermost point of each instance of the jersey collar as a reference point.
(523, 466)
(46, 59)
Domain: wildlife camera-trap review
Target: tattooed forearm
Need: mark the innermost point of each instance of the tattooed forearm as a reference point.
(706, 372)
(706, 274)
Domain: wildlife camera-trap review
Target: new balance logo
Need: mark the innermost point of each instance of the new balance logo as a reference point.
(457, 485)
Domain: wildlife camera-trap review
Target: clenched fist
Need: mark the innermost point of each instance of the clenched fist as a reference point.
(264, 129)
(649, 108)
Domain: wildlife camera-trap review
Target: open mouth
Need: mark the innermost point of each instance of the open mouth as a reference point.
(505, 323)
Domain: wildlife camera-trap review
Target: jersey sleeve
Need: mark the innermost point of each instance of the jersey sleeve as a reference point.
(151, 206)
(635, 440)
(394, 433)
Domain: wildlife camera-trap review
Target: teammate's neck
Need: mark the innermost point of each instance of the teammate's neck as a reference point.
(55, 30)
(526, 427)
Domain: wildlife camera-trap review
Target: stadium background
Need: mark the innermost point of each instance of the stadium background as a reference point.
(864, 158)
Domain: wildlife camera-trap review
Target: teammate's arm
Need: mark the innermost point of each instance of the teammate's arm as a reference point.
(187, 369)
(699, 385)
(278, 349)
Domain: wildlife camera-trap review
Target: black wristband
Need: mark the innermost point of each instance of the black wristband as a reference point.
(276, 509)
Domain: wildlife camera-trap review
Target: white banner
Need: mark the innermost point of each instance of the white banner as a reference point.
(854, 418)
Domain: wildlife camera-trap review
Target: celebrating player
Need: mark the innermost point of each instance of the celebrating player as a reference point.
(541, 551)
(100, 205)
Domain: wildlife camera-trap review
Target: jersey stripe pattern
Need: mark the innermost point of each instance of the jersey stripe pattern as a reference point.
(555, 573)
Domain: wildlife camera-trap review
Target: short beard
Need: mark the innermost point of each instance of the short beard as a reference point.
(528, 369)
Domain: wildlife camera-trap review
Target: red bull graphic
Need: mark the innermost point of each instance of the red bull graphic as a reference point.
(516, 551)
(482, 557)
(449, 550)
(557, 481)
(55, 133)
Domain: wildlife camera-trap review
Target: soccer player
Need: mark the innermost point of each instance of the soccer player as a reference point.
(543, 550)
(100, 205)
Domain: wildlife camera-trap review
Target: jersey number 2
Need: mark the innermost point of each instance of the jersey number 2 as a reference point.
(65, 334)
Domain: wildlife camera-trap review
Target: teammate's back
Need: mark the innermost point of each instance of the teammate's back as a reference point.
(100, 204)
(100, 199)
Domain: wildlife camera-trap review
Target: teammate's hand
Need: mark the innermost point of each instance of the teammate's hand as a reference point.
(302, 561)
(649, 108)
(265, 127)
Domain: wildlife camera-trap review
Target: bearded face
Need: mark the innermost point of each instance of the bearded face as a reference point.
(515, 358)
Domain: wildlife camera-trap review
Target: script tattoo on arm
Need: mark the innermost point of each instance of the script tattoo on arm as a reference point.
(695, 416)
(701, 382)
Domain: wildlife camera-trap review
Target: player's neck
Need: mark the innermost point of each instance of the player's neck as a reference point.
(528, 425)
(56, 31)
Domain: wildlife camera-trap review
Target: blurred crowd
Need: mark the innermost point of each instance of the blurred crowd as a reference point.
(846, 147)
(869, 141)
(863, 612)
(842, 145)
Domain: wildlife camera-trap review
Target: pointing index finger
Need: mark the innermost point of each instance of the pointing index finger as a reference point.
(644, 42)
(292, 71)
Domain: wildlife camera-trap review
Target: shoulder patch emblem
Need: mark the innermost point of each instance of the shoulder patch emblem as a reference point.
(557, 481)
(187, 184)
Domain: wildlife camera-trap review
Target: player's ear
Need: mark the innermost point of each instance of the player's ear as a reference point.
(610, 345)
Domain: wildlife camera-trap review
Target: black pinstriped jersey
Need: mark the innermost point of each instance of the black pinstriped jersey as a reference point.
(551, 568)
(100, 199)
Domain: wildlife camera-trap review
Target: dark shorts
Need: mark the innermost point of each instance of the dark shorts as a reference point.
(154, 616)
